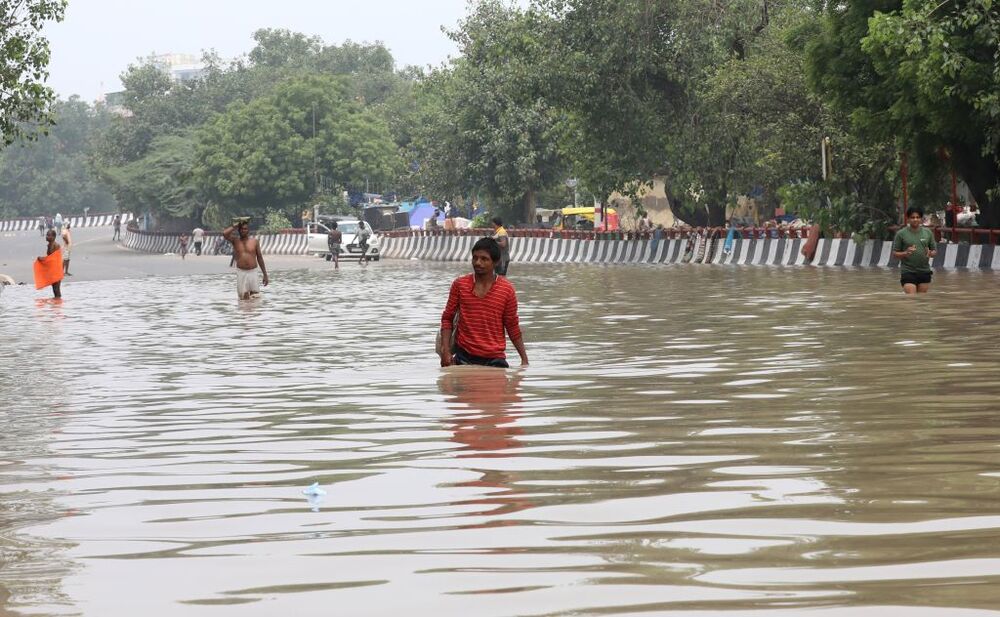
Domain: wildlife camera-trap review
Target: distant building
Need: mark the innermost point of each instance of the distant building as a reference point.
(180, 67)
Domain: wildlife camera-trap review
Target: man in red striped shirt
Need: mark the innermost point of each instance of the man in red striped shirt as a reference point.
(487, 304)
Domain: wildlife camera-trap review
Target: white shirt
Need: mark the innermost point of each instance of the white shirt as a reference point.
(198, 234)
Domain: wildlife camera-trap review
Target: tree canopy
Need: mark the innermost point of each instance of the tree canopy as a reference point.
(278, 151)
(25, 100)
(53, 174)
(719, 100)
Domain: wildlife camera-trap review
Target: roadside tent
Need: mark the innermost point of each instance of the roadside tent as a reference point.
(420, 214)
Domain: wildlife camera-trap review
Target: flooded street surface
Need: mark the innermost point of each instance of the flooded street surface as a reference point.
(688, 440)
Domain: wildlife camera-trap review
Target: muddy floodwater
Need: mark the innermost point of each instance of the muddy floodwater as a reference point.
(688, 440)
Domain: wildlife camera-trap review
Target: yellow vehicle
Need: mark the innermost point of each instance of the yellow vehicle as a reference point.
(582, 217)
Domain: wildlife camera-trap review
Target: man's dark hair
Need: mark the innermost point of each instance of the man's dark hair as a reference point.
(489, 245)
(333, 224)
(913, 209)
(497, 221)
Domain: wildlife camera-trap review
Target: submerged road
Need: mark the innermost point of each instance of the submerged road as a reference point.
(96, 257)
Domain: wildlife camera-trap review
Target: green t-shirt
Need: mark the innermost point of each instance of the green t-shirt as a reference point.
(923, 239)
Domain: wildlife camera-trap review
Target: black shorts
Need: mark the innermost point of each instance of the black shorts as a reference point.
(915, 278)
(462, 357)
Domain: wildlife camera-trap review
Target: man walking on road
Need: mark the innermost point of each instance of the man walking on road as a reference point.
(485, 305)
(51, 247)
(246, 253)
(117, 222)
(334, 239)
(198, 235)
(67, 245)
(500, 235)
(364, 232)
(914, 247)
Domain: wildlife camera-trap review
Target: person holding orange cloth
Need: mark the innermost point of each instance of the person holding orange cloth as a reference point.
(49, 269)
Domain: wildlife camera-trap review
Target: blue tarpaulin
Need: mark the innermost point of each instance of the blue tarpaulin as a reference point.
(422, 212)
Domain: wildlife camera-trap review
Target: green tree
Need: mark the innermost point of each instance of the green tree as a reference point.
(278, 151)
(25, 101)
(488, 125)
(629, 75)
(162, 181)
(53, 174)
(923, 76)
(942, 63)
(610, 67)
(760, 125)
(280, 48)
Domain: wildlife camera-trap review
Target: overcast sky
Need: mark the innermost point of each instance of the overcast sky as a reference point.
(99, 38)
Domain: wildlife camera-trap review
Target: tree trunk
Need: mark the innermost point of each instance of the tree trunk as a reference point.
(717, 215)
(528, 208)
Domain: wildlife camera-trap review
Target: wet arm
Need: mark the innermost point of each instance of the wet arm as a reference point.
(447, 324)
(260, 262)
(513, 327)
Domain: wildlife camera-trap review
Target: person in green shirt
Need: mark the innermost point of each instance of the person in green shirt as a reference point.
(914, 247)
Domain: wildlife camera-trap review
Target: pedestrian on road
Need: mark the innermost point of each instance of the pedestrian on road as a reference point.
(51, 247)
(503, 240)
(246, 252)
(198, 235)
(364, 232)
(914, 247)
(67, 246)
(334, 240)
(117, 222)
(184, 239)
(487, 304)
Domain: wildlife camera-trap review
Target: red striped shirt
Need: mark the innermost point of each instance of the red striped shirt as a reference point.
(483, 321)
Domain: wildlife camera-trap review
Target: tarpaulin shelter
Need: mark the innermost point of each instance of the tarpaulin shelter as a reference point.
(422, 212)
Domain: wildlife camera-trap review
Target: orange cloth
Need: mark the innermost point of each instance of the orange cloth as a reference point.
(49, 270)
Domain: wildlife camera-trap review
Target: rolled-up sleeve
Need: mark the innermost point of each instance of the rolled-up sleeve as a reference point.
(448, 316)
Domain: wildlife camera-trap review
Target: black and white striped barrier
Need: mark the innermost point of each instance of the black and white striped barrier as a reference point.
(763, 251)
(29, 224)
(270, 244)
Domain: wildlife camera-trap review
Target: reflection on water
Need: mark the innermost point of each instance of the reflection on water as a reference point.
(687, 440)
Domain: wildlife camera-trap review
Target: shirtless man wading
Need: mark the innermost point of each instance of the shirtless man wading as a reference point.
(246, 252)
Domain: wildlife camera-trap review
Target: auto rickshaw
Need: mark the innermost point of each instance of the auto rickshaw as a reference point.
(582, 218)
